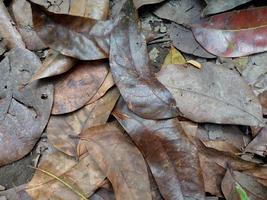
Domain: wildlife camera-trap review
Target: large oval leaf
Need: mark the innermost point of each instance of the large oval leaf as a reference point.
(230, 34)
(212, 94)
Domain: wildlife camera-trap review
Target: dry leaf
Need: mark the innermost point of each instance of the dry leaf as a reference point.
(174, 57)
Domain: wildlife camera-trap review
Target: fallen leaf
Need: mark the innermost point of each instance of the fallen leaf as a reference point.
(259, 144)
(182, 12)
(62, 129)
(263, 101)
(54, 64)
(94, 9)
(119, 159)
(194, 63)
(15, 193)
(24, 108)
(8, 32)
(132, 72)
(217, 6)
(174, 57)
(78, 86)
(139, 3)
(230, 35)
(22, 13)
(87, 39)
(213, 94)
(183, 39)
(106, 85)
(234, 180)
(102, 194)
(172, 159)
(83, 176)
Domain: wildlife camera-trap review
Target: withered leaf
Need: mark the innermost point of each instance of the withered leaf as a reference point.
(183, 39)
(24, 108)
(78, 86)
(22, 13)
(132, 72)
(217, 6)
(230, 35)
(8, 32)
(139, 3)
(62, 129)
(77, 37)
(119, 159)
(94, 9)
(15, 193)
(172, 159)
(83, 176)
(182, 12)
(212, 94)
(234, 179)
(54, 64)
(259, 144)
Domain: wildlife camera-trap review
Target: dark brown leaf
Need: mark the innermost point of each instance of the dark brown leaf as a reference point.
(234, 180)
(78, 86)
(183, 39)
(24, 108)
(230, 35)
(173, 160)
(212, 94)
(94, 9)
(62, 129)
(132, 72)
(54, 64)
(78, 37)
(119, 159)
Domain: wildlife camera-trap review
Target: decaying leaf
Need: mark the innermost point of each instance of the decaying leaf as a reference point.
(183, 39)
(259, 144)
(8, 32)
(86, 39)
(139, 3)
(182, 12)
(94, 9)
(132, 72)
(22, 13)
(234, 180)
(83, 176)
(54, 64)
(119, 159)
(212, 94)
(15, 193)
(230, 35)
(24, 108)
(78, 86)
(217, 6)
(174, 57)
(62, 129)
(170, 155)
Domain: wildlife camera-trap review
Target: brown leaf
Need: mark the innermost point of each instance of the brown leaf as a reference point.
(78, 86)
(139, 3)
(83, 176)
(22, 13)
(62, 129)
(86, 39)
(230, 35)
(234, 179)
(259, 144)
(54, 64)
(15, 193)
(132, 72)
(173, 160)
(94, 9)
(263, 101)
(119, 159)
(24, 108)
(183, 39)
(212, 94)
(8, 32)
(102, 194)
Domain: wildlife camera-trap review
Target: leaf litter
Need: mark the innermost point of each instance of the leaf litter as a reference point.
(81, 99)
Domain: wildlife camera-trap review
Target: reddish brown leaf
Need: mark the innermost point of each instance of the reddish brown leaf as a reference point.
(173, 160)
(24, 108)
(212, 94)
(78, 86)
(62, 129)
(132, 72)
(119, 159)
(234, 34)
